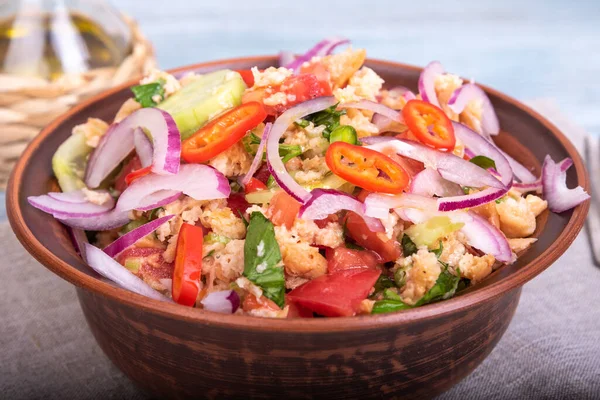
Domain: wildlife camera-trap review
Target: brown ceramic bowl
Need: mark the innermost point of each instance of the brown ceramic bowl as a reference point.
(174, 351)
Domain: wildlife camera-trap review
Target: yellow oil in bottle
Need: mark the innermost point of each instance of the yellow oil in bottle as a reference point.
(50, 45)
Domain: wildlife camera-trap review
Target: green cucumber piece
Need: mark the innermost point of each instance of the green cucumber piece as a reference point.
(69, 161)
(209, 95)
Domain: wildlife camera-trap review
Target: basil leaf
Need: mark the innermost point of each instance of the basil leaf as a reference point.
(408, 246)
(483, 162)
(262, 259)
(383, 282)
(330, 117)
(444, 287)
(144, 93)
(387, 306)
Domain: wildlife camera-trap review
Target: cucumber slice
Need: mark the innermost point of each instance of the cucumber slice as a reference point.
(69, 161)
(209, 95)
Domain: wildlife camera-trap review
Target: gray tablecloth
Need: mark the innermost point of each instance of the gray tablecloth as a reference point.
(551, 350)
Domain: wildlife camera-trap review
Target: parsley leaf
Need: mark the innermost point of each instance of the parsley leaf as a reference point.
(483, 162)
(408, 246)
(262, 259)
(144, 93)
(387, 306)
(330, 117)
(288, 151)
(444, 287)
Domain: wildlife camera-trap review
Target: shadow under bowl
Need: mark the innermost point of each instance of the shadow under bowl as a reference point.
(174, 351)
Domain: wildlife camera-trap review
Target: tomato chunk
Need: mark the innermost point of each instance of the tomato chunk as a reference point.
(222, 132)
(252, 303)
(188, 265)
(366, 168)
(283, 209)
(253, 185)
(297, 89)
(387, 249)
(297, 311)
(429, 124)
(335, 295)
(343, 259)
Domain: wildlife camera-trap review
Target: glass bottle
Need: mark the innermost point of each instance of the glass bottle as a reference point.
(50, 38)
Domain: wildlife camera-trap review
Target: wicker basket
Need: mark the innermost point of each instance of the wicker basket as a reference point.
(28, 104)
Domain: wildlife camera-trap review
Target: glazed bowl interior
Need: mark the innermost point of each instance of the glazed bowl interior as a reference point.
(526, 136)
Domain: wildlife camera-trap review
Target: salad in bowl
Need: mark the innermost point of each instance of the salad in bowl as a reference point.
(308, 189)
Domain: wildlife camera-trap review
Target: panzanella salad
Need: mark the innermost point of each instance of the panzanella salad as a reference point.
(309, 189)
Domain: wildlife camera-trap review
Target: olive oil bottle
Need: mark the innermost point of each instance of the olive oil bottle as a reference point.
(48, 39)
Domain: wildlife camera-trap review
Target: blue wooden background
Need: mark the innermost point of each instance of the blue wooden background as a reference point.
(525, 48)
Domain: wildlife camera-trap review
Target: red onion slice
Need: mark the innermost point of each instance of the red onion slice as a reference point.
(329, 201)
(158, 199)
(427, 82)
(376, 108)
(554, 183)
(471, 200)
(118, 142)
(323, 48)
(104, 222)
(378, 205)
(256, 163)
(449, 166)
(429, 183)
(224, 301)
(276, 166)
(79, 240)
(198, 181)
(471, 92)
(480, 146)
(143, 147)
(131, 237)
(528, 187)
(68, 209)
(286, 57)
(520, 171)
(75, 196)
(112, 270)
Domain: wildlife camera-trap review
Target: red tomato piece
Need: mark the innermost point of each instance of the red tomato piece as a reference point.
(343, 259)
(238, 204)
(263, 173)
(222, 132)
(297, 311)
(297, 88)
(429, 124)
(366, 168)
(253, 185)
(335, 295)
(132, 165)
(283, 209)
(357, 229)
(188, 265)
(252, 303)
(247, 76)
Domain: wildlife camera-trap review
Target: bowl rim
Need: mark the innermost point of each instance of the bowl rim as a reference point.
(323, 325)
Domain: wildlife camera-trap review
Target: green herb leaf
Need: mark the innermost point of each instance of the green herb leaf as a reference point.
(288, 151)
(400, 277)
(136, 223)
(387, 306)
(241, 215)
(353, 246)
(483, 162)
(389, 294)
(262, 259)
(408, 246)
(330, 117)
(383, 282)
(438, 252)
(144, 93)
(444, 287)
(154, 213)
(271, 182)
(344, 133)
